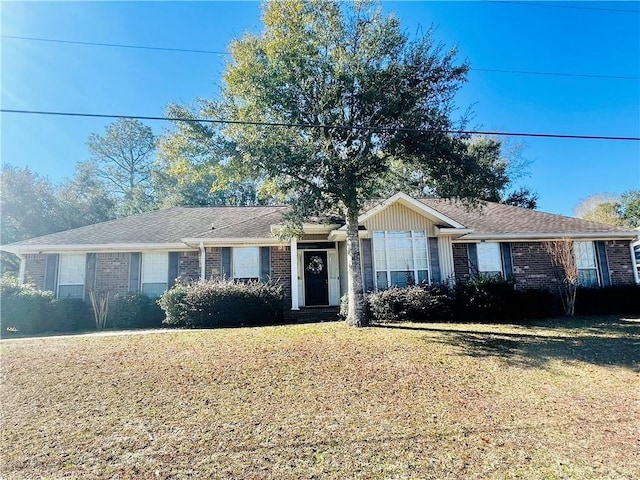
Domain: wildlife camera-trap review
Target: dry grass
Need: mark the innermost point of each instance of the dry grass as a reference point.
(326, 401)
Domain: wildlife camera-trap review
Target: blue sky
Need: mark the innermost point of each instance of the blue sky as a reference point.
(599, 38)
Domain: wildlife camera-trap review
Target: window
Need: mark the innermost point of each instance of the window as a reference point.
(71, 276)
(586, 264)
(489, 259)
(155, 273)
(246, 263)
(400, 258)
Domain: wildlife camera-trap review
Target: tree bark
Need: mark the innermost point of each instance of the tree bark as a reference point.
(355, 316)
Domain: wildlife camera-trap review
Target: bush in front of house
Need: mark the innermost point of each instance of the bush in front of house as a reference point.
(134, 311)
(485, 298)
(413, 303)
(25, 309)
(223, 302)
(618, 300)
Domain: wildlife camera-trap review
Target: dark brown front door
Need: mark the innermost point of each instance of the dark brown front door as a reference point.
(316, 279)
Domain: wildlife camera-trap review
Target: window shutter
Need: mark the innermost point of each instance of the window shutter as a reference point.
(507, 263)
(367, 264)
(603, 263)
(134, 272)
(226, 262)
(265, 263)
(472, 252)
(90, 272)
(51, 273)
(174, 262)
(434, 260)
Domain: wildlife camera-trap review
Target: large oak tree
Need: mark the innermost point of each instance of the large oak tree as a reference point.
(362, 97)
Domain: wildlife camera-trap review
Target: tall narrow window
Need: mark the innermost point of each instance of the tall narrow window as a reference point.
(400, 258)
(71, 271)
(586, 264)
(246, 263)
(155, 272)
(489, 259)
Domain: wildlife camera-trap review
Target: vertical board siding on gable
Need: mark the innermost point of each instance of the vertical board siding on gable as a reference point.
(398, 217)
(620, 263)
(434, 261)
(367, 264)
(35, 269)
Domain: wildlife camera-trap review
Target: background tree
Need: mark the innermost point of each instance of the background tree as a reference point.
(123, 157)
(379, 96)
(599, 207)
(629, 208)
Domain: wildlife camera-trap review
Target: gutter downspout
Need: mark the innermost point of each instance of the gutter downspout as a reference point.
(203, 260)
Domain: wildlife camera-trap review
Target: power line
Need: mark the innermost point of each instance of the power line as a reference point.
(576, 7)
(318, 125)
(219, 52)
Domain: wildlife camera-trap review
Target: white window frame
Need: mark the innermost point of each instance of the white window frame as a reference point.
(245, 263)
(586, 263)
(489, 258)
(382, 265)
(71, 272)
(154, 272)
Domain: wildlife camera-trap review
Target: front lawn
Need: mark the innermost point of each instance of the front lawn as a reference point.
(444, 401)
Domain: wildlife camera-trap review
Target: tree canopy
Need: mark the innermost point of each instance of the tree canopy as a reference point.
(359, 98)
(622, 210)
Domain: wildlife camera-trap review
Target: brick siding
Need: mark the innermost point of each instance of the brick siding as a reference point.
(213, 263)
(112, 272)
(35, 266)
(281, 270)
(189, 266)
(620, 264)
(532, 267)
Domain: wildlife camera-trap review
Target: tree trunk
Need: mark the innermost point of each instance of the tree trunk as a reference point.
(355, 316)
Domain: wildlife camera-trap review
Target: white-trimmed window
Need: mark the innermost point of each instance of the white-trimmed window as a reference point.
(400, 257)
(489, 259)
(71, 271)
(155, 274)
(246, 263)
(586, 263)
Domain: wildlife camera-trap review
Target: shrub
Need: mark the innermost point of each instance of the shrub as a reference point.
(134, 311)
(486, 298)
(608, 300)
(68, 315)
(223, 303)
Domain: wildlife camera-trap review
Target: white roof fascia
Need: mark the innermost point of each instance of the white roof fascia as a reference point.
(93, 247)
(340, 235)
(221, 242)
(523, 237)
(453, 231)
(310, 228)
(412, 203)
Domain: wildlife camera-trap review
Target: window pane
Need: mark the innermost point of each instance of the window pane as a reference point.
(585, 254)
(423, 276)
(154, 290)
(400, 251)
(489, 259)
(70, 291)
(381, 280)
(155, 267)
(71, 269)
(246, 262)
(588, 277)
(420, 245)
(402, 279)
(379, 252)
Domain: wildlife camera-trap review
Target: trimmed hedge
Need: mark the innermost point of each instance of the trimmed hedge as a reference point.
(624, 299)
(134, 311)
(223, 302)
(487, 299)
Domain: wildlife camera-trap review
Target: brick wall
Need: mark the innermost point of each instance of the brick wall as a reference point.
(460, 262)
(189, 266)
(620, 263)
(213, 263)
(35, 266)
(112, 272)
(281, 270)
(532, 266)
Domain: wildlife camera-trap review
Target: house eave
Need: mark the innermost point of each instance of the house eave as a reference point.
(525, 237)
(93, 247)
(233, 241)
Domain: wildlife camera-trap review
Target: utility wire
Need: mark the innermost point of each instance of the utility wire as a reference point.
(220, 52)
(318, 125)
(576, 7)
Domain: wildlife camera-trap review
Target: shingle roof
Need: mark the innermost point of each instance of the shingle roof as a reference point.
(170, 226)
(496, 218)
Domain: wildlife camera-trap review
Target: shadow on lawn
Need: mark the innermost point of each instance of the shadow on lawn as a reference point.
(610, 341)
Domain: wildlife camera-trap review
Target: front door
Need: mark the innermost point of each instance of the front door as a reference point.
(316, 279)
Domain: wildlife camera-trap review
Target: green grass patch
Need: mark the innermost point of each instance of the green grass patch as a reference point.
(446, 401)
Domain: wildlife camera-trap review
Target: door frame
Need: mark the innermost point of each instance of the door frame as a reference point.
(332, 256)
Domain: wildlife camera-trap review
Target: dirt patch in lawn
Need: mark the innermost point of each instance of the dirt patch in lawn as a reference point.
(326, 401)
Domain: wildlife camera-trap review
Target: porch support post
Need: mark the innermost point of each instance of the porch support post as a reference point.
(294, 275)
(203, 260)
